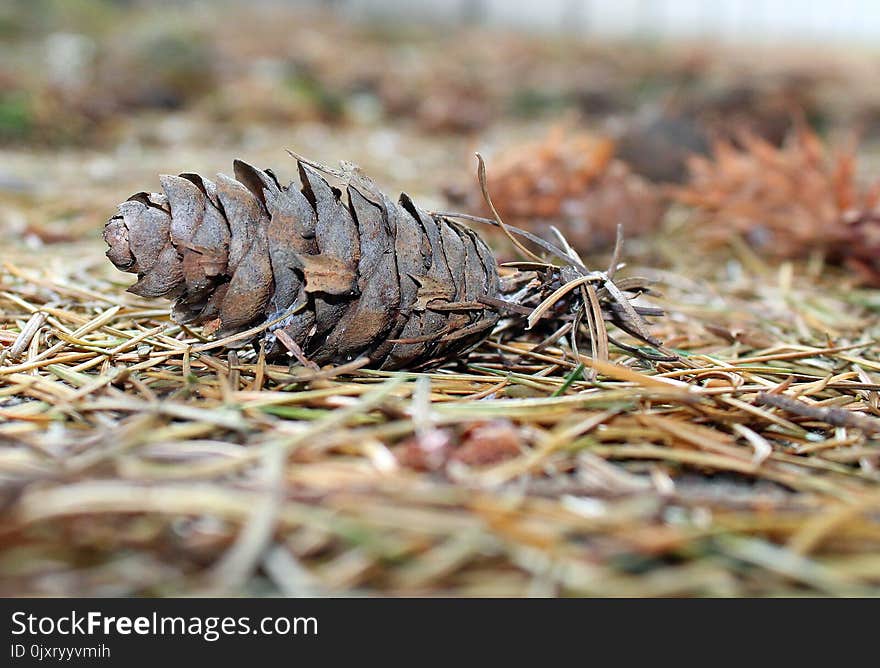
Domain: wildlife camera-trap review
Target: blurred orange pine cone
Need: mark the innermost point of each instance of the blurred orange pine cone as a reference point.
(575, 182)
(787, 202)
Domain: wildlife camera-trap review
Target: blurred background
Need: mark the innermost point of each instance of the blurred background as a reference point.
(98, 96)
(730, 19)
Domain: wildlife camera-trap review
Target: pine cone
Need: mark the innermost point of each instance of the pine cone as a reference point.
(343, 278)
(573, 181)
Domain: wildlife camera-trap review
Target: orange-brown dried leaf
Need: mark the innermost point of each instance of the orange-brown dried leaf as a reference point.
(488, 443)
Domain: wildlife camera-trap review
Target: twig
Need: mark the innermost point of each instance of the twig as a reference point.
(836, 417)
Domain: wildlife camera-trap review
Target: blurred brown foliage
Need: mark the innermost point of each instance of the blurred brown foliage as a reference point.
(574, 181)
(787, 201)
(70, 70)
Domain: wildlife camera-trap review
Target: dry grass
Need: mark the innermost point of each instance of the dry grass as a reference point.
(137, 458)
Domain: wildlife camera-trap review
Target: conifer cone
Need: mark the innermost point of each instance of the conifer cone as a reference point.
(336, 277)
(575, 182)
(787, 201)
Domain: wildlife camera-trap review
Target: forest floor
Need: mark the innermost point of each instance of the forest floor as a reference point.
(140, 458)
(136, 458)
